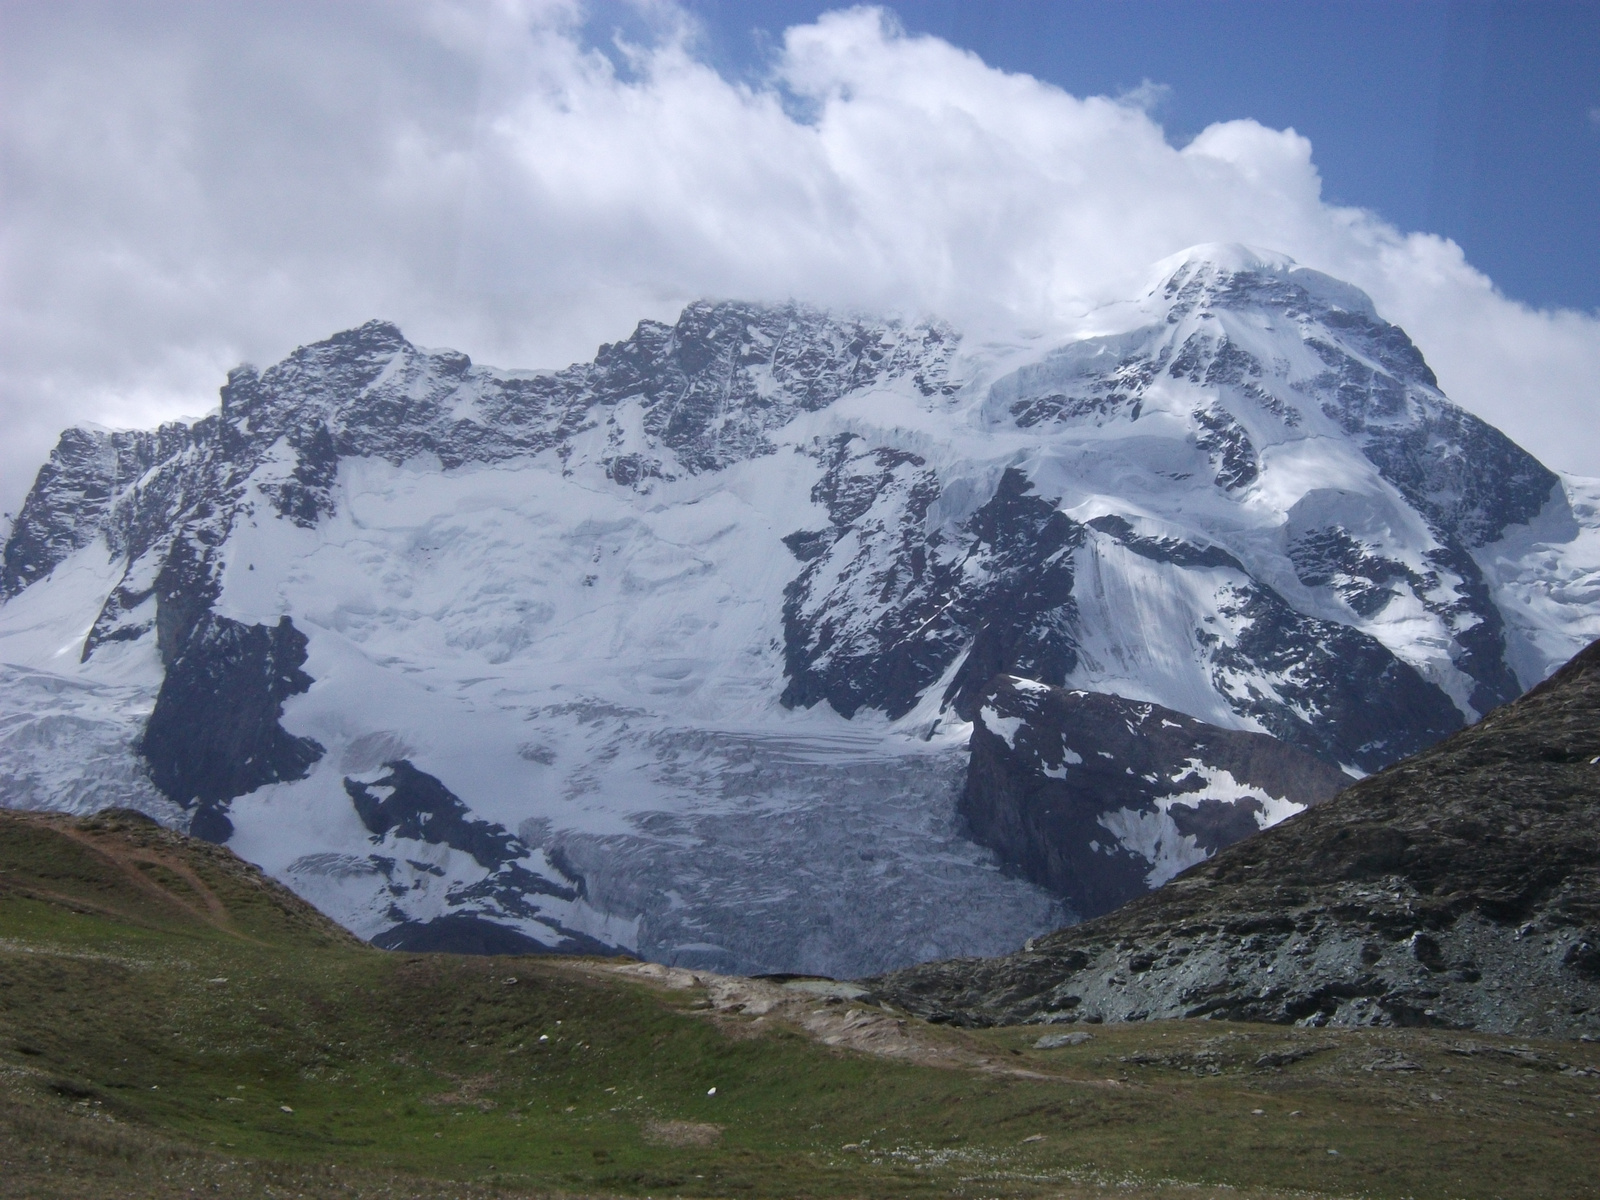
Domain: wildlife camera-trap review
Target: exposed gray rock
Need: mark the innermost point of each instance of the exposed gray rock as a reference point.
(214, 732)
(1460, 888)
(900, 604)
(1054, 1041)
(412, 805)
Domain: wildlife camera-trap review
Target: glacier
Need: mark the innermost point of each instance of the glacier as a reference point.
(680, 652)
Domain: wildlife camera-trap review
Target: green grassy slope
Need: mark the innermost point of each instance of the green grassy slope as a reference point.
(170, 1020)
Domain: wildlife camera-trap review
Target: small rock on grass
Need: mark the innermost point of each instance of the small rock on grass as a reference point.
(1053, 1041)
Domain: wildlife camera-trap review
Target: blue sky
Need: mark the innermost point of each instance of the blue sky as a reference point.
(1477, 121)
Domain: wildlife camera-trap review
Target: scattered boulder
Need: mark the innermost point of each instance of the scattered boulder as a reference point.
(1054, 1041)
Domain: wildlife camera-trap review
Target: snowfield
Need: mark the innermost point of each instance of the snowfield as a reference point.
(679, 649)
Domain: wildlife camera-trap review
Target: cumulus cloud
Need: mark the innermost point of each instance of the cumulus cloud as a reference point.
(191, 186)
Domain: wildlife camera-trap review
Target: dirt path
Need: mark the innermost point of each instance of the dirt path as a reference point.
(828, 1012)
(126, 858)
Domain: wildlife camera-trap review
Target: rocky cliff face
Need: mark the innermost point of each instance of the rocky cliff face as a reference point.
(1459, 888)
(756, 571)
(1101, 799)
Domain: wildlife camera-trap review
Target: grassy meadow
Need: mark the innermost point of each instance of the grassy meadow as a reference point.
(173, 1024)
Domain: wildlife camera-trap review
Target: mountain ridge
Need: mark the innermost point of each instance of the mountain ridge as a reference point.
(755, 571)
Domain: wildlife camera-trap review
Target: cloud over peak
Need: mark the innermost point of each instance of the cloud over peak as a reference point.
(198, 186)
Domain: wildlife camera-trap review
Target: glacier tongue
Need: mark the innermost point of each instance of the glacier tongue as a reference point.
(1546, 579)
(679, 651)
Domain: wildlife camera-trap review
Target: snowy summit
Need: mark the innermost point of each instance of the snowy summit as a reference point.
(778, 639)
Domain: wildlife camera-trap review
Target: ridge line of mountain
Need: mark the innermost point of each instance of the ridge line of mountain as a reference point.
(679, 651)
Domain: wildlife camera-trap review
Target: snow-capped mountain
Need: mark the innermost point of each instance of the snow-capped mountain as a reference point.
(680, 650)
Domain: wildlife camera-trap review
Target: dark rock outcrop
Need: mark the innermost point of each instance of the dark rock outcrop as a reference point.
(86, 474)
(403, 803)
(464, 933)
(413, 804)
(214, 732)
(1458, 888)
(1337, 691)
(1334, 690)
(1099, 798)
(881, 613)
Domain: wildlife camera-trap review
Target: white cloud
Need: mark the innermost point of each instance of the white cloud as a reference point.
(1149, 95)
(194, 185)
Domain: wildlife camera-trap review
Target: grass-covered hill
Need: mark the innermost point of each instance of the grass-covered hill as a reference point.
(172, 1023)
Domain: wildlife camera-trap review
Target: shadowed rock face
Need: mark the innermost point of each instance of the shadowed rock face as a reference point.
(884, 608)
(214, 732)
(413, 804)
(403, 805)
(464, 933)
(1100, 799)
(1459, 888)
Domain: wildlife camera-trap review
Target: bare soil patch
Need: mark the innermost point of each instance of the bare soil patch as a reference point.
(680, 1133)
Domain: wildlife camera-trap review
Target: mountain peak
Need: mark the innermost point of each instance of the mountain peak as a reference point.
(752, 572)
(373, 335)
(1215, 268)
(1227, 258)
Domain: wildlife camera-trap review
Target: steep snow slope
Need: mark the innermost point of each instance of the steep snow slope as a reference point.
(679, 650)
